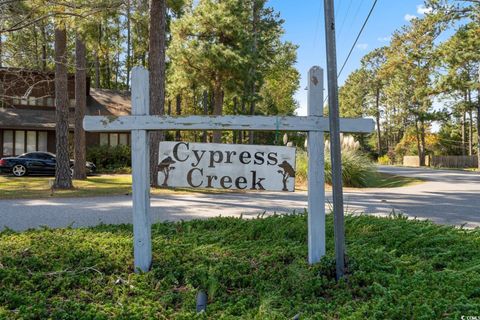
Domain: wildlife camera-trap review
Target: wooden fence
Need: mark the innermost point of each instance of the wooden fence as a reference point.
(455, 161)
(443, 161)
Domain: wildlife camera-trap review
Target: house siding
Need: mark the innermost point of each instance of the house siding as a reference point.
(37, 112)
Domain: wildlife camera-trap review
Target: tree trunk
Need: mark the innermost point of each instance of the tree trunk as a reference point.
(244, 111)
(117, 58)
(255, 17)
(470, 124)
(235, 111)
(63, 180)
(464, 127)
(377, 118)
(478, 120)
(97, 57)
(44, 47)
(470, 132)
(217, 109)
(422, 144)
(1, 53)
(35, 40)
(129, 30)
(478, 128)
(178, 109)
(419, 149)
(79, 169)
(205, 112)
(156, 63)
(107, 79)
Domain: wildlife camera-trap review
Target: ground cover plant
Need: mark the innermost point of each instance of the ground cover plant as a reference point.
(251, 269)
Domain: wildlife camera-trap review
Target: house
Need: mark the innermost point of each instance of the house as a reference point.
(27, 111)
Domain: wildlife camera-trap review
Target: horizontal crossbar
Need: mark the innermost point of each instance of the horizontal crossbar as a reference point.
(256, 123)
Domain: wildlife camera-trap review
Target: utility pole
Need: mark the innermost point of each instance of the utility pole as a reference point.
(335, 147)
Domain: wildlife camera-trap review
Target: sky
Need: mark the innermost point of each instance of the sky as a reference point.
(304, 26)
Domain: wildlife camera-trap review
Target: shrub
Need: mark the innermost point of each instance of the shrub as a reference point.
(111, 159)
(384, 160)
(301, 166)
(250, 268)
(357, 167)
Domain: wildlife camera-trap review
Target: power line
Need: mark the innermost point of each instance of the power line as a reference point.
(345, 18)
(358, 36)
(360, 5)
(356, 40)
(317, 24)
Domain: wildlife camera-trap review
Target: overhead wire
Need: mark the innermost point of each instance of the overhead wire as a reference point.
(344, 19)
(358, 36)
(356, 40)
(317, 24)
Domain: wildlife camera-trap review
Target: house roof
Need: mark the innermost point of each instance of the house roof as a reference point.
(99, 102)
(108, 102)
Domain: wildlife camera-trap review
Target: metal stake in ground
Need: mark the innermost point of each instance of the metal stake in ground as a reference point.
(335, 147)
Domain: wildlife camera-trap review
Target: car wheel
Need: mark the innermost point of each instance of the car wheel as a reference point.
(19, 170)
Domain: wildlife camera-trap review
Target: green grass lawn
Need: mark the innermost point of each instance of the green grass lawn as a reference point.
(104, 185)
(251, 269)
(385, 180)
(39, 187)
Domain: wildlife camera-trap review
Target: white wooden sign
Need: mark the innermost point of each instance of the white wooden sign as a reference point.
(140, 122)
(226, 166)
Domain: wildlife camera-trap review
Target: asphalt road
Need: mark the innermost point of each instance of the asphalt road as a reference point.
(446, 197)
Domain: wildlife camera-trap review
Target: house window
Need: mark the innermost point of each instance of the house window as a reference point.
(31, 141)
(104, 139)
(8, 142)
(123, 139)
(19, 141)
(114, 139)
(42, 141)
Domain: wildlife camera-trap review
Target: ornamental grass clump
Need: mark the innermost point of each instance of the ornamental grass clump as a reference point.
(356, 166)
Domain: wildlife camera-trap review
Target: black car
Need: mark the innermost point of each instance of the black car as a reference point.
(35, 163)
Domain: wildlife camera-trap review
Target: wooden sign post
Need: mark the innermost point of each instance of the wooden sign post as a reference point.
(139, 123)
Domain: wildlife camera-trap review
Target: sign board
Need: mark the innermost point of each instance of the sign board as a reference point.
(226, 166)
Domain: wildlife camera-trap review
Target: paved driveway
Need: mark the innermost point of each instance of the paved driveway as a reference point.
(447, 197)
